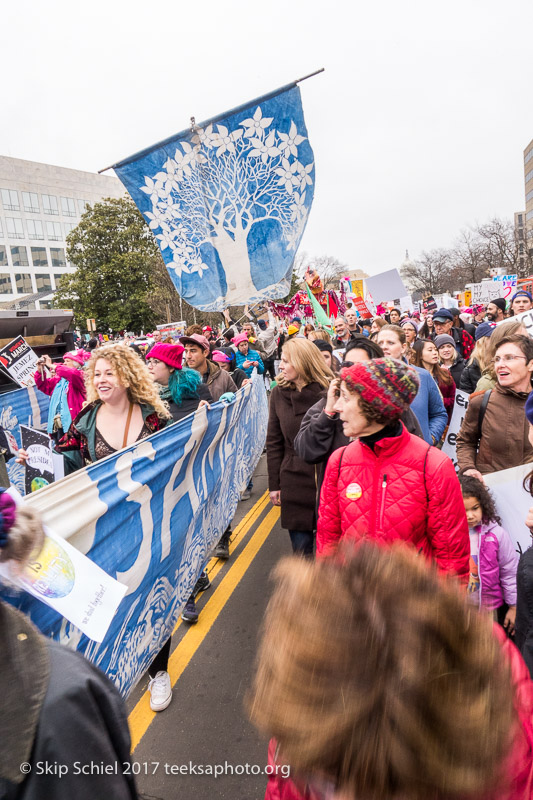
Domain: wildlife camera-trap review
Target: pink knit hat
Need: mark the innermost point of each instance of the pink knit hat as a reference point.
(241, 337)
(169, 354)
(79, 356)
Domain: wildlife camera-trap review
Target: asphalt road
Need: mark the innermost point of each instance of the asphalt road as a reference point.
(211, 667)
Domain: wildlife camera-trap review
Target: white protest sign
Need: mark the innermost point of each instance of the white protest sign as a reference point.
(70, 583)
(512, 502)
(506, 285)
(40, 458)
(20, 361)
(526, 318)
(485, 291)
(459, 410)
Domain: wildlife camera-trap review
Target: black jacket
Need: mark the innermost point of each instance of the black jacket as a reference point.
(456, 370)
(190, 404)
(320, 435)
(469, 378)
(524, 608)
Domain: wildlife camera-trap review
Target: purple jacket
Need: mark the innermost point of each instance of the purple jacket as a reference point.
(498, 562)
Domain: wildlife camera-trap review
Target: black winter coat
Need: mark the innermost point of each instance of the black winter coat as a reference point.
(524, 608)
(469, 378)
(287, 472)
(457, 369)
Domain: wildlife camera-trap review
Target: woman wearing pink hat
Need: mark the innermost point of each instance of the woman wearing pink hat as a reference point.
(181, 387)
(245, 358)
(66, 388)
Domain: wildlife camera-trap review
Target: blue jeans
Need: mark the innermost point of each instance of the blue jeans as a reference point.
(302, 543)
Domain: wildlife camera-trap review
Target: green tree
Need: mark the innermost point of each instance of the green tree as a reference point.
(118, 269)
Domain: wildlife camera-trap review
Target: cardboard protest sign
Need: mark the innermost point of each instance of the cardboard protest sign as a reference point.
(459, 410)
(506, 285)
(19, 361)
(40, 465)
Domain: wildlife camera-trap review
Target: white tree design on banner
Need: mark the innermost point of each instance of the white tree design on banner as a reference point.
(230, 202)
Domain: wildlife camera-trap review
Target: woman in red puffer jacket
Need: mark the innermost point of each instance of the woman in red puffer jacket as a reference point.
(389, 484)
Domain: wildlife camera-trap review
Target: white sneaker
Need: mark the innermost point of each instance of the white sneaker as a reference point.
(246, 494)
(160, 691)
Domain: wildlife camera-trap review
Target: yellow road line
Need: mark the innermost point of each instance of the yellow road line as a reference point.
(142, 715)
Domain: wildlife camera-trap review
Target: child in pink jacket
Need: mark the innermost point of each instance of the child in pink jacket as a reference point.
(493, 558)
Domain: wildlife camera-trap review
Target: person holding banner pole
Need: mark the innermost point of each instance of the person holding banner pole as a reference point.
(494, 433)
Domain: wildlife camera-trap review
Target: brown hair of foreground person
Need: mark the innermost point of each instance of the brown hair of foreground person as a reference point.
(375, 675)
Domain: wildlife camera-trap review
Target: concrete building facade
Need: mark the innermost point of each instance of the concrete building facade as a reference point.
(528, 180)
(39, 205)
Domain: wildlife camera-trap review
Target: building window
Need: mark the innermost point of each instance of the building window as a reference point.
(82, 206)
(528, 157)
(68, 207)
(35, 229)
(19, 257)
(57, 278)
(58, 257)
(69, 226)
(14, 228)
(3, 256)
(53, 231)
(529, 214)
(5, 283)
(50, 204)
(529, 175)
(43, 282)
(39, 257)
(30, 201)
(23, 281)
(10, 200)
(1, 230)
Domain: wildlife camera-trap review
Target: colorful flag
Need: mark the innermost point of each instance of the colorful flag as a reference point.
(228, 200)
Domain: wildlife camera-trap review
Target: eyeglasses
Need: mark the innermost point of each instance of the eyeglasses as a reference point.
(506, 359)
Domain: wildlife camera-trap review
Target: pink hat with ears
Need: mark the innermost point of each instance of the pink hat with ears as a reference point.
(241, 337)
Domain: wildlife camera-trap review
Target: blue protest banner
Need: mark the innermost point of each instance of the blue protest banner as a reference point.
(149, 516)
(228, 200)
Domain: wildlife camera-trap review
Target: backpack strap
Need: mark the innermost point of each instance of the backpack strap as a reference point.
(482, 411)
(340, 462)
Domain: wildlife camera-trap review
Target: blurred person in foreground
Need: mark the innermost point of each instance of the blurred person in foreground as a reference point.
(57, 708)
(379, 681)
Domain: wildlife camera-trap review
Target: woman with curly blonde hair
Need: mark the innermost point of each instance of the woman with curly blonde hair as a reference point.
(123, 406)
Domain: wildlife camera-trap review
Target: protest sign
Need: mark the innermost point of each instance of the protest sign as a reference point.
(430, 304)
(20, 361)
(21, 407)
(386, 286)
(526, 318)
(459, 410)
(39, 466)
(361, 308)
(506, 285)
(512, 502)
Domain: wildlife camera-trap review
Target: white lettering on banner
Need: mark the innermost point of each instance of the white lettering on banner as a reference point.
(459, 410)
(526, 318)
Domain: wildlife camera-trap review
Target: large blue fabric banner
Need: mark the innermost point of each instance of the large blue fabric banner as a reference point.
(228, 201)
(22, 407)
(149, 516)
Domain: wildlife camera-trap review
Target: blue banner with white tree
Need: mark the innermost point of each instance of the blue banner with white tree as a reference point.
(228, 201)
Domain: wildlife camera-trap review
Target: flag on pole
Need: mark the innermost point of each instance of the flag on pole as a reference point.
(228, 200)
(318, 312)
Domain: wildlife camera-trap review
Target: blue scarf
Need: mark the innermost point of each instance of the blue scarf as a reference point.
(59, 405)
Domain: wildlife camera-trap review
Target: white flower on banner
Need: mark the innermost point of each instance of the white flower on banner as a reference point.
(289, 141)
(255, 127)
(226, 140)
(266, 149)
(288, 179)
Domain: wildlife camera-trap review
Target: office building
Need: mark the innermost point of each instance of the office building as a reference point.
(528, 179)
(39, 205)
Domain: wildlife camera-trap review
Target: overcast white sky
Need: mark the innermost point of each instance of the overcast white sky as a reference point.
(418, 124)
